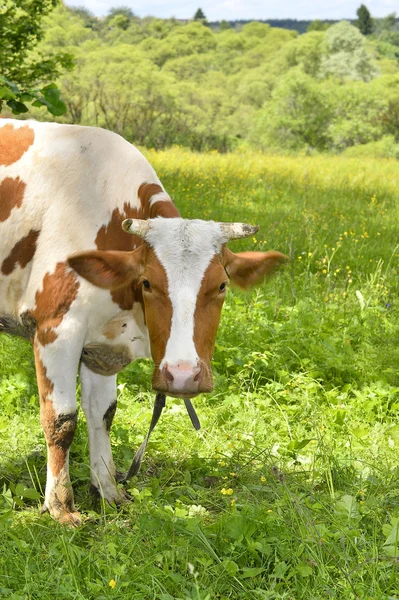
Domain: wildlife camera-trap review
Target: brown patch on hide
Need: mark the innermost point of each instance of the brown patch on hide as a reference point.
(114, 328)
(14, 142)
(59, 290)
(46, 387)
(22, 253)
(112, 236)
(109, 416)
(125, 297)
(161, 208)
(208, 309)
(11, 195)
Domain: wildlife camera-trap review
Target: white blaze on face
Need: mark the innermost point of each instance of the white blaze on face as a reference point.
(185, 249)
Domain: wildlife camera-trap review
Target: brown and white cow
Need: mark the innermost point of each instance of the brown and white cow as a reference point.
(78, 285)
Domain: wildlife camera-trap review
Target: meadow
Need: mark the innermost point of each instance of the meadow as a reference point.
(291, 488)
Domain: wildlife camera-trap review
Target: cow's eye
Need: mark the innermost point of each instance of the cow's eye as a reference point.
(222, 287)
(146, 284)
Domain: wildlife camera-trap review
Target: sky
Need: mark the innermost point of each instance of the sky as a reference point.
(216, 10)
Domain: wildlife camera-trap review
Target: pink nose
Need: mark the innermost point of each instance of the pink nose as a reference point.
(182, 377)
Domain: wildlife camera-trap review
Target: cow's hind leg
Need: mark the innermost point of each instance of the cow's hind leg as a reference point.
(99, 405)
(58, 415)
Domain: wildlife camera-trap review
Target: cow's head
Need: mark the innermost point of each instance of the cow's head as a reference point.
(182, 270)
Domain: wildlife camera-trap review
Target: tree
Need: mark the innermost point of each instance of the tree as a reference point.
(90, 21)
(119, 17)
(364, 21)
(297, 117)
(224, 25)
(121, 10)
(307, 51)
(199, 15)
(22, 73)
(318, 25)
(347, 56)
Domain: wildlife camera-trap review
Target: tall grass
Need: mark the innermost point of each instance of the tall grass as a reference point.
(290, 490)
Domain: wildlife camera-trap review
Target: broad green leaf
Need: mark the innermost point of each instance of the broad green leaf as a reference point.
(17, 107)
(31, 494)
(298, 444)
(6, 93)
(349, 506)
(247, 572)
(231, 567)
(304, 570)
(393, 537)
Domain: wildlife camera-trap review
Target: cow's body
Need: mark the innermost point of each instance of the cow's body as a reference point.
(69, 197)
(65, 190)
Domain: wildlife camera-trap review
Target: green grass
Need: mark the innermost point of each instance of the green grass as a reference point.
(291, 488)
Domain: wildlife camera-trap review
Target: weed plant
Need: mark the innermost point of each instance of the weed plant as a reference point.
(291, 488)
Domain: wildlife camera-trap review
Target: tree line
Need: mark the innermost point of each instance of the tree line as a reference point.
(160, 82)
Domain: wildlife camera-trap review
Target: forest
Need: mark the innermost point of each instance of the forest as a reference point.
(165, 82)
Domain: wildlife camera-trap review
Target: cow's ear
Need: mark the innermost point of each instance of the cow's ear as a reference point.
(246, 269)
(108, 269)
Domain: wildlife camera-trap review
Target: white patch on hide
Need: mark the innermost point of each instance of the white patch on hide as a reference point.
(185, 249)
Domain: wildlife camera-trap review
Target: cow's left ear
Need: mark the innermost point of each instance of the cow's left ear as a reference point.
(108, 269)
(246, 269)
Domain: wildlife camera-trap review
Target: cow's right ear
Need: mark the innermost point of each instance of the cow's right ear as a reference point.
(108, 269)
(246, 269)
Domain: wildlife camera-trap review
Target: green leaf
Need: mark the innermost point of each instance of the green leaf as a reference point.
(13, 87)
(26, 97)
(304, 570)
(393, 537)
(31, 494)
(6, 93)
(231, 567)
(17, 107)
(298, 444)
(19, 488)
(51, 96)
(247, 572)
(348, 505)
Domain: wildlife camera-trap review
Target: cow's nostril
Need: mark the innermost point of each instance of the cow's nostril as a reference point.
(167, 374)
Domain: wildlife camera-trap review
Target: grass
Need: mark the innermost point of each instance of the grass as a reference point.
(291, 488)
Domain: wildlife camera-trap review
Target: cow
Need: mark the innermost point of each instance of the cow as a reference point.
(92, 296)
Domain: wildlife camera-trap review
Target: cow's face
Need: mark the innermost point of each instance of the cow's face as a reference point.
(182, 272)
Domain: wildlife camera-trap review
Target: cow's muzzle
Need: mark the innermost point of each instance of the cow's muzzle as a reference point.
(183, 379)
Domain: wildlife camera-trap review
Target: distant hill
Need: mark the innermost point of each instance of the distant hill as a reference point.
(293, 24)
(301, 26)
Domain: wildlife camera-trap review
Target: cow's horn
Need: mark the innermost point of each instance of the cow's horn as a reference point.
(235, 231)
(136, 226)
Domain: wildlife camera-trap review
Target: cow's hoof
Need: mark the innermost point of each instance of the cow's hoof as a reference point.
(72, 519)
(112, 495)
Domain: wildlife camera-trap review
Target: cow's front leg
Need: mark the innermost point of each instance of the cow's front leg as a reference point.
(99, 405)
(56, 369)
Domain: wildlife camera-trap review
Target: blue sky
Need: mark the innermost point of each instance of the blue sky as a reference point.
(242, 9)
